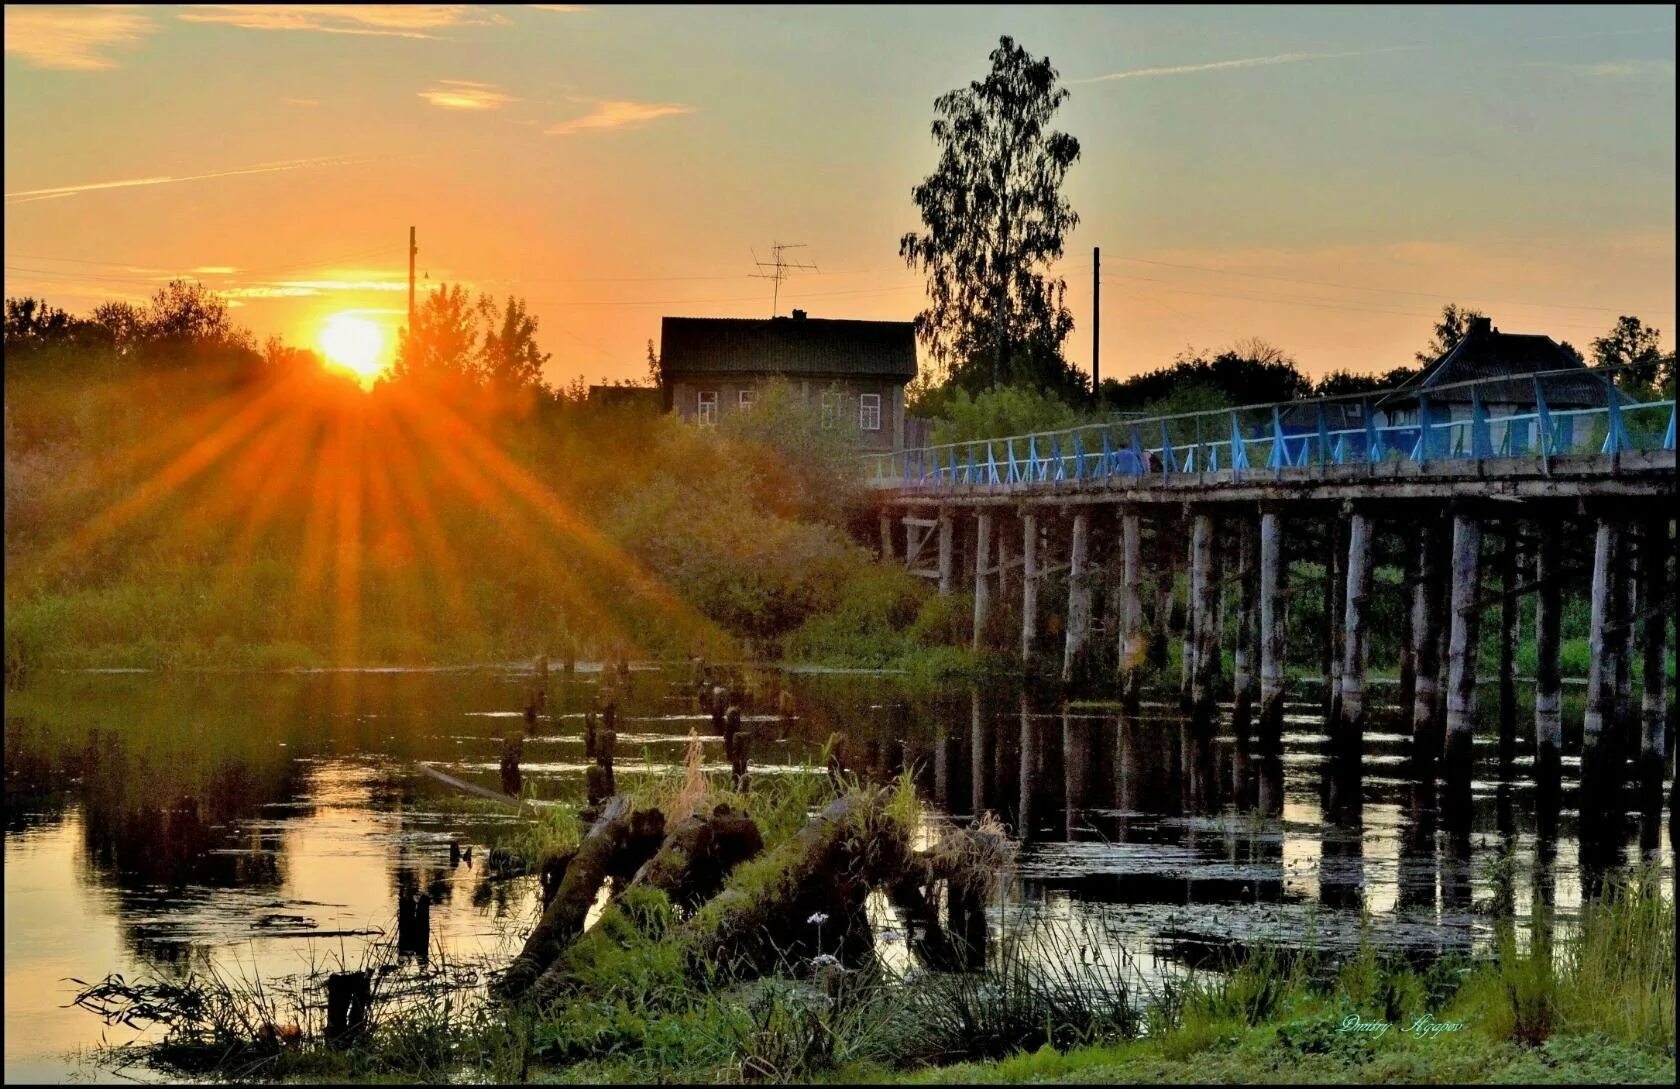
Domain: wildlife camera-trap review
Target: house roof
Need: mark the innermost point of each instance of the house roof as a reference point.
(1486, 353)
(789, 346)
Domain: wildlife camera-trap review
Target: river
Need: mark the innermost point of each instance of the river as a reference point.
(265, 825)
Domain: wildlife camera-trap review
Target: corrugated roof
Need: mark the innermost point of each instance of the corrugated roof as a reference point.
(801, 346)
(1486, 353)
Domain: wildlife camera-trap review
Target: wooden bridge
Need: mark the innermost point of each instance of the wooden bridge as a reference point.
(1245, 490)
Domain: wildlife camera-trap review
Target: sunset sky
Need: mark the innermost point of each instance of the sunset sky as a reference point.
(1322, 178)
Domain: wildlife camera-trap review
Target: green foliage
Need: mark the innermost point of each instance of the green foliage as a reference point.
(998, 413)
(1452, 328)
(1636, 348)
(994, 220)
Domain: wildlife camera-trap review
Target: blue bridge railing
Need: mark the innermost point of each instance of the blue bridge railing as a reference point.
(1435, 425)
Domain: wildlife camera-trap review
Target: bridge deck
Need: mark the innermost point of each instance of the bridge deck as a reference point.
(1634, 473)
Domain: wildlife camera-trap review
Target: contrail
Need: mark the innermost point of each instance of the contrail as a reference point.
(1243, 62)
(23, 196)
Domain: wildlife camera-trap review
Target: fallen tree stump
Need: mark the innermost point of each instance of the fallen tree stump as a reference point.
(698, 856)
(615, 835)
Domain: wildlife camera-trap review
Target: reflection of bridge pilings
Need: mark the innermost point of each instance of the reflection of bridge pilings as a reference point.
(1028, 777)
(1076, 767)
(1341, 873)
(1418, 870)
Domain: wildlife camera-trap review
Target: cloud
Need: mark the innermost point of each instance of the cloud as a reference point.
(305, 102)
(617, 115)
(73, 38)
(568, 9)
(24, 196)
(383, 20)
(1623, 69)
(1242, 62)
(215, 270)
(462, 94)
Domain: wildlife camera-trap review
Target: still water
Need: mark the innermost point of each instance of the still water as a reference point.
(266, 825)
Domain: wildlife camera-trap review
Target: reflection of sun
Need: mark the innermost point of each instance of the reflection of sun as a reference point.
(353, 343)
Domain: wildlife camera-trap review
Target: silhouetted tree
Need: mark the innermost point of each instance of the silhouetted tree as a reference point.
(189, 313)
(655, 372)
(440, 346)
(1345, 383)
(1633, 346)
(1454, 324)
(1249, 372)
(510, 358)
(995, 218)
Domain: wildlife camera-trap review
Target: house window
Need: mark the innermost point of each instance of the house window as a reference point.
(869, 411)
(707, 414)
(748, 396)
(830, 408)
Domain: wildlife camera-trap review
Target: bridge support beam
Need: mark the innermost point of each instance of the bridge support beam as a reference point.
(886, 538)
(1652, 704)
(1272, 614)
(982, 577)
(1029, 585)
(1187, 636)
(1462, 647)
(1601, 676)
(1245, 682)
(1335, 580)
(1630, 579)
(1204, 708)
(1508, 614)
(1548, 674)
(1349, 725)
(945, 543)
(1079, 596)
(1428, 594)
(1131, 610)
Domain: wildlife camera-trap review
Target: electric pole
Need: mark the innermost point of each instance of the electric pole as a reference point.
(412, 250)
(1096, 314)
(779, 270)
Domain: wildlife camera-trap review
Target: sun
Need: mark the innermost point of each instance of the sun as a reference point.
(354, 343)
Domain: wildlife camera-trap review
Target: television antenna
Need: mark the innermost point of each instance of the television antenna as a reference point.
(777, 269)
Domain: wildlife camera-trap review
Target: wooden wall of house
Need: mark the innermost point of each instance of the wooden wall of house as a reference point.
(685, 401)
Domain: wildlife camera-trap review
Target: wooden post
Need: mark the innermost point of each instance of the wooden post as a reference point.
(1548, 674)
(1131, 610)
(1028, 771)
(1029, 584)
(1004, 580)
(349, 994)
(1508, 613)
(886, 538)
(977, 754)
(1245, 680)
(1271, 654)
(1187, 636)
(1079, 596)
(1351, 725)
(1629, 581)
(1204, 707)
(1335, 576)
(982, 579)
(945, 542)
(1601, 675)
(1462, 649)
(1653, 569)
(1408, 643)
(1427, 594)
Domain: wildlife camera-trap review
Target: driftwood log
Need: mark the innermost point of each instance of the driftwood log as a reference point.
(698, 856)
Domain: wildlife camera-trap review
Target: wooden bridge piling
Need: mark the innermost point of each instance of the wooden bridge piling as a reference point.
(1078, 622)
(1462, 649)
(945, 545)
(1509, 612)
(1426, 649)
(1131, 610)
(1335, 586)
(1601, 672)
(1548, 672)
(1272, 616)
(1204, 708)
(982, 575)
(1349, 728)
(886, 539)
(1029, 584)
(1244, 679)
(1654, 636)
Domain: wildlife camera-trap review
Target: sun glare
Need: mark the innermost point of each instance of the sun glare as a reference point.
(354, 343)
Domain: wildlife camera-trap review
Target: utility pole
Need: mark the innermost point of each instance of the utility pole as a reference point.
(412, 250)
(779, 270)
(1096, 315)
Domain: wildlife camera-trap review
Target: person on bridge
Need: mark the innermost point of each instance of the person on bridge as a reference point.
(1126, 461)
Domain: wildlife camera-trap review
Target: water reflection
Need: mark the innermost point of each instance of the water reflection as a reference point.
(280, 816)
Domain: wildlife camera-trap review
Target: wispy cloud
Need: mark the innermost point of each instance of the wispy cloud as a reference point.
(618, 115)
(73, 38)
(568, 9)
(23, 196)
(1242, 62)
(1622, 69)
(307, 103)
(383, 20)
(462, 94)
(215, 270)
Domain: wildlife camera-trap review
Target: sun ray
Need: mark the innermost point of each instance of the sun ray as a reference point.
(417, 503)
(347, 561)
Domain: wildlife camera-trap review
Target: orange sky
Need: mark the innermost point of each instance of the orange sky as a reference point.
(1322, 178)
